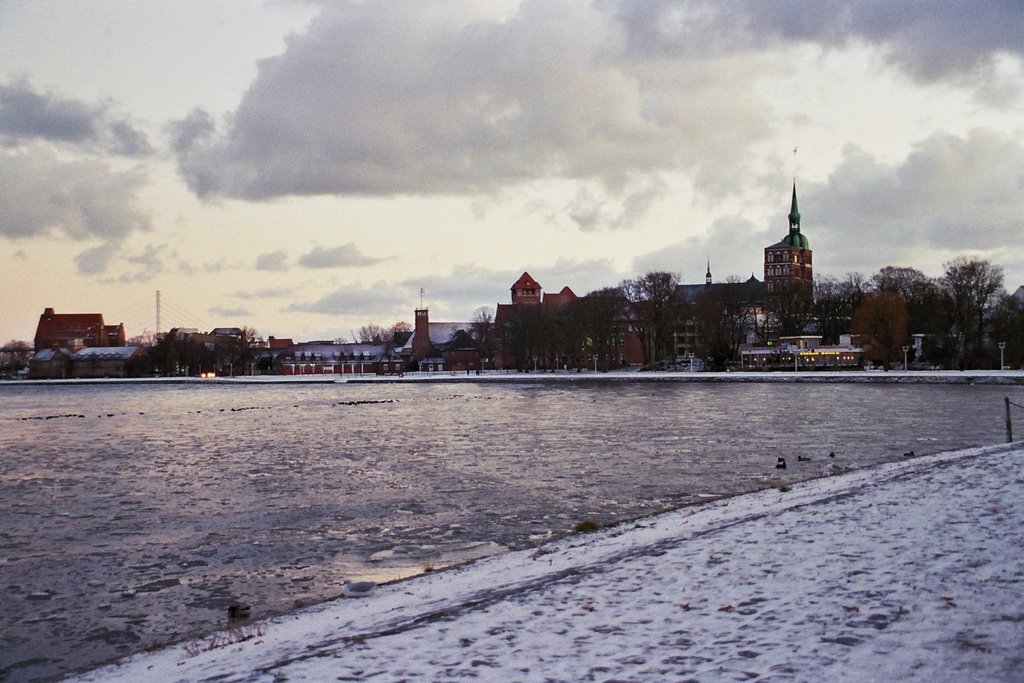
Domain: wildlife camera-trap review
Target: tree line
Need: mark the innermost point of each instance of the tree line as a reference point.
(963, 315)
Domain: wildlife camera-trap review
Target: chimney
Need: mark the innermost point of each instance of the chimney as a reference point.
(421, 340)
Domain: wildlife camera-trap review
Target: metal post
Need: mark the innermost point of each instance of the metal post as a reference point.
(1002, 347)
(905, 349)
(1009, 426)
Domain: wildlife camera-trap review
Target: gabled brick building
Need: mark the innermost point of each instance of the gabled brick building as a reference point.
(437, 346)
(75, 331)
(561, 330)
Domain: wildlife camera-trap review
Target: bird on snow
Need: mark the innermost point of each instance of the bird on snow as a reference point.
(780, 463)
(832, 454)
(803, 458)
(908, 454)
(358, 589)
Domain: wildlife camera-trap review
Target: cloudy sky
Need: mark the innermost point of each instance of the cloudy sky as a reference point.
(307, 167)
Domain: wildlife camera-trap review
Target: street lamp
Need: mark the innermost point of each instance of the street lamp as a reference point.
(1002, 347)
(905, 349)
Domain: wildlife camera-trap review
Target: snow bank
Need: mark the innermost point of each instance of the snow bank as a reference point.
(910, 570)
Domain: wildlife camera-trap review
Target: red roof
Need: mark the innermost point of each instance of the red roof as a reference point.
(525, 281)
(56, 329)
(560, 299)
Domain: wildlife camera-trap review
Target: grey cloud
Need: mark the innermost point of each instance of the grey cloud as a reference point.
(272, 261)
(195, 128)
(467, 287)
(929, 40)
(594, 210)
(237, 312)
(132, 278)
(27, 115)
(79, 199)
(733, 245)
(380, 299)
(266, 293)
(958, 193)
(96, 259)
(344, 256)
(384, 98)
(151, 257)
(951, 194)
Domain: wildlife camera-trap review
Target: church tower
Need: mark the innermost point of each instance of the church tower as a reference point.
(787, 264)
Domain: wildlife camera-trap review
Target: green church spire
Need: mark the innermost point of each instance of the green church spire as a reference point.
(794, 212)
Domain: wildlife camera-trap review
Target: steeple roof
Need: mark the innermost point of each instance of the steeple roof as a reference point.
(794, 211)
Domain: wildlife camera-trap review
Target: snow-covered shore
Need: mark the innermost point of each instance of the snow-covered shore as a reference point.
(912, 570)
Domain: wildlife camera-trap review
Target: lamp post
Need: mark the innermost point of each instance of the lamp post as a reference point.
(1002, 348)
(905, 349)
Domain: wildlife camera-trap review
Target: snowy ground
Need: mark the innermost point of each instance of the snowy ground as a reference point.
(913, 570)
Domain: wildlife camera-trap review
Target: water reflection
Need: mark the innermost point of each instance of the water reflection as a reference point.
(132, 515)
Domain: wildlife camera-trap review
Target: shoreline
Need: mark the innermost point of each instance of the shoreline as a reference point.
(988, 377)
(750, 565)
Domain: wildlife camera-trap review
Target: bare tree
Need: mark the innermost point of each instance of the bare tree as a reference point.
(972, 287)
(601, 313)
(482, 331)
(371, 334)
(922, 294)
(790, 308)
(834, 303)
(14, 357)
(652, 313)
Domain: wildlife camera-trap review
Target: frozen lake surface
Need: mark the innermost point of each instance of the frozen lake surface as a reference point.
(131, 516)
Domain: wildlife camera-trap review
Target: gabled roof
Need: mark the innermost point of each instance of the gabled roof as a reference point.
(525, 281)
(105, 353)
(44, 355)
(58, 328)
(440, 333)
(750, 291)
(560, 299)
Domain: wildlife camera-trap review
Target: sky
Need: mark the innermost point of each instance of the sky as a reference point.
(305, 168)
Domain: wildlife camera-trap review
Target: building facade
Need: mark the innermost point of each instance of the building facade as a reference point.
(788, 267)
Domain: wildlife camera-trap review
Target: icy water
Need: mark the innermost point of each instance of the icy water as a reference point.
(131, 516)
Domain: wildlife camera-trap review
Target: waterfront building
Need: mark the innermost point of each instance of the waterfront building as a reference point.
(560, 330)
(441, 346)
(330, 358)
(87, 362)
(75, 331)
(788, 269)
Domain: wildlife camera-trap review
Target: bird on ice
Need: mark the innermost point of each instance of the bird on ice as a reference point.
(358, 589)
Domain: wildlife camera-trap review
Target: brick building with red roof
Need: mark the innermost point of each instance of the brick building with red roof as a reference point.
(75, 331)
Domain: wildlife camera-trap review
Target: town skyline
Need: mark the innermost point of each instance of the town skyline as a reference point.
(306, 168)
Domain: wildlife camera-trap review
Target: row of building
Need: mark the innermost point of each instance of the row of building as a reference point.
(82, 345)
